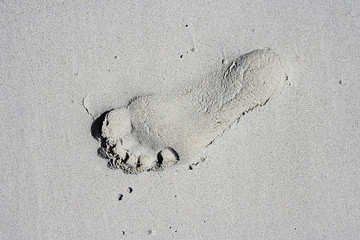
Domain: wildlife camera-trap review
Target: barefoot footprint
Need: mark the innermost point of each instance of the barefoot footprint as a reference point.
(157, 131)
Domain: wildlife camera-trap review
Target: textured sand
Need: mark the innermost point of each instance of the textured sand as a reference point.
(289, 170)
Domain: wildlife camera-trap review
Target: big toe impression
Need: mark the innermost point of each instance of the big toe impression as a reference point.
(116, 125)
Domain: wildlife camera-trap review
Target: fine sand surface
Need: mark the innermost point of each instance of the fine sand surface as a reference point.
(287, 170)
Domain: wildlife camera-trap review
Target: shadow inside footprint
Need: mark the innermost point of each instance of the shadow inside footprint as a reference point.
(96, 133)
(160, 159)
(97, 124)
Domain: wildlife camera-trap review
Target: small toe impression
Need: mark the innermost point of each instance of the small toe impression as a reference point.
(167, 157)
(144, 163)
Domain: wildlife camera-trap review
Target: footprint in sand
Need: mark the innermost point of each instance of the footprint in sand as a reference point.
(157, 131)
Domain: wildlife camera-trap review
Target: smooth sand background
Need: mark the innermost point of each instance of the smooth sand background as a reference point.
(289, 170)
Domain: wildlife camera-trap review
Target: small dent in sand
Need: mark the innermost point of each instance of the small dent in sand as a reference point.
(225, 61)
(191, 167)
(120, 197)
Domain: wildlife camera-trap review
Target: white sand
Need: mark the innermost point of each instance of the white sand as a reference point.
(289, 170)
